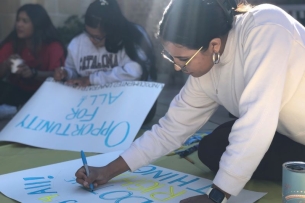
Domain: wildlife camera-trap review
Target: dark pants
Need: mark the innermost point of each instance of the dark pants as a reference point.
(13, 95)
(281, 150)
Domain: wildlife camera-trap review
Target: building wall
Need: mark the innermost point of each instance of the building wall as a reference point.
(277, 1)
(144, 12)
(59, 10)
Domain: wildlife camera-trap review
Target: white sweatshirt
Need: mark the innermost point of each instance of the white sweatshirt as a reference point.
(84, 59)
(261, 79)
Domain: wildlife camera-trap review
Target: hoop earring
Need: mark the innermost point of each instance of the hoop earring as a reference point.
(216, 58)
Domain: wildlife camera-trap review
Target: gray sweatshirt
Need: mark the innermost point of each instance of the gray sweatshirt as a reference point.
(84, 59)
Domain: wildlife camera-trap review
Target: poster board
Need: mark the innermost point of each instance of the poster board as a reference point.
(56, 183)
(94, 119)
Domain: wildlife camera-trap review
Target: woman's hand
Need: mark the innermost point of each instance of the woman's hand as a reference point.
(197, 199)
(7, 64)
(98, 176)
(82, 82)
(101, 175)
(25, 71)
(60, 74)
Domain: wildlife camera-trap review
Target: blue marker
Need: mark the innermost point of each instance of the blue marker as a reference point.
(86, 167)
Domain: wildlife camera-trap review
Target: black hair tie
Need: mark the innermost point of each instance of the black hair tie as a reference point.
(228, 6)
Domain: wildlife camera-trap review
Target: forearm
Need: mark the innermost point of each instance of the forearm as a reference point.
(117, 167)
(129, 72)
(71, 73)
(42, 75)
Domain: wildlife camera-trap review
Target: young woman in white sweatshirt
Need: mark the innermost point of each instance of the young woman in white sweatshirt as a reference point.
(111, 49)
(252, 63)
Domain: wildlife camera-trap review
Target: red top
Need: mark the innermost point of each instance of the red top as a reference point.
(49, 58)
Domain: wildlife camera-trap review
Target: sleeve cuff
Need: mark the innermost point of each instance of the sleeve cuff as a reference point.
(92, 79)
(228, 183)
(69, 73)
(133, 158)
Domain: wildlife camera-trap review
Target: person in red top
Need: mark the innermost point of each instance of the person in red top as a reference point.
(34, 40)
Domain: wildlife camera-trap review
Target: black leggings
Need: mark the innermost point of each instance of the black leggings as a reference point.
(282, 149)
(13, 95)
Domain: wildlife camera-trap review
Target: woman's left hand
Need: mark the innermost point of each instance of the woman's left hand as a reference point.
(197, 199)
(24, 71)
(82, 82)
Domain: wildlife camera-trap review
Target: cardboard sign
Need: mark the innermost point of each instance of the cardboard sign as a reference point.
(95, 119)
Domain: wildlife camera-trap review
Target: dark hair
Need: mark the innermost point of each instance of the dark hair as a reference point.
(121, 33)
(194, 23)
(44, 31)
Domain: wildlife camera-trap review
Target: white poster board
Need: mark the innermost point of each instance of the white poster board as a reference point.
(56, 183)
(95, 119)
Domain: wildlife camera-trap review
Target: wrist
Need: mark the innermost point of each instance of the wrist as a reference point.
(34, 72)
(116, 167)
(226, 194)
(64, 73)
(217, 195)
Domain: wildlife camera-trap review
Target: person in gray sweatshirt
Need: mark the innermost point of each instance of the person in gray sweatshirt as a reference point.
(111, 49)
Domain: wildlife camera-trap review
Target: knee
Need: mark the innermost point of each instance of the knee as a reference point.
(204, 151)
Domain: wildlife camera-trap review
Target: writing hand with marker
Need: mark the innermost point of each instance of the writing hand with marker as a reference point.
(101, 175)
(98, 176)
(81, 82)
(60, 74)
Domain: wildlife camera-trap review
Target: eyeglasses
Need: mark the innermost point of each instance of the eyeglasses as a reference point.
(167, 56)
(97, 39)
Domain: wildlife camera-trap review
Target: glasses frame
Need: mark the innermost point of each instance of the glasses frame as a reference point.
(182, 68)
(97, 39)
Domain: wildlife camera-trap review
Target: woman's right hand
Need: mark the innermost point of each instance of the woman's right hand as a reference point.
(60, 74)
(98, 176)
(101, 175)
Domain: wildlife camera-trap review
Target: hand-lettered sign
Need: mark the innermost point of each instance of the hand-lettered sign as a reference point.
(56, 183)
(94, 119)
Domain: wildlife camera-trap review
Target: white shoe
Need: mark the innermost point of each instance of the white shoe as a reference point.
(7, 111)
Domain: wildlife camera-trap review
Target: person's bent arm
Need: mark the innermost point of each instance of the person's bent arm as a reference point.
(131, 71)
(70, 68)
(42, 75)
(187, 113)
(32, 73)
(101, 175)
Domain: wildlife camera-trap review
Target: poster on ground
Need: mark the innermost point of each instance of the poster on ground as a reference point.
(56, 183)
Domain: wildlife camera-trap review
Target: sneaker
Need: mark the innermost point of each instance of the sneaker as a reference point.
(7, 111)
